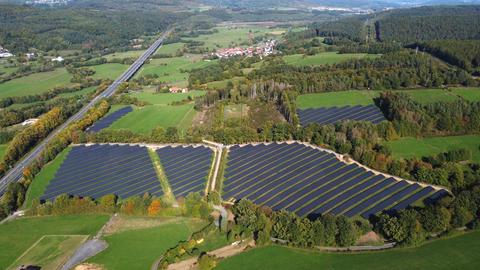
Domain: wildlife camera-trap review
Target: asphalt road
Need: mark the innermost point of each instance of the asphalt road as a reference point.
(15, 173)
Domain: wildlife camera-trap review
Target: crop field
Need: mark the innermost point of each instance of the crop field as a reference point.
(331, 99)
(18, 236)
(166, 98)
(108, 71)
(310, 182)
(98, 170)
(50, 251)
(186, 168)
(335, 114)
(323, 58)
(145, 119)
(36, 83)
(459, 252)
(108, 120)
(422, 147)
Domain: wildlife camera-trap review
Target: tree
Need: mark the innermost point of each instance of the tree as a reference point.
(108, 203)
(330, 226)
(154, 207)
(207, 262)
(347, 235)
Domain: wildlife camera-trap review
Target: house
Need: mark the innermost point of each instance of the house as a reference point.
(4, 53)
(175, 90)
(58, 59)
(30, 55)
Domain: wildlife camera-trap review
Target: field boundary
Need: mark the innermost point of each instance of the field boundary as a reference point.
(162, 177)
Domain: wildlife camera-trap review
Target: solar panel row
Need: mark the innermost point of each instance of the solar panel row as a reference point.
(108, 120)
(309, 181)
(333, 115)
(186, 168)
(98, 170)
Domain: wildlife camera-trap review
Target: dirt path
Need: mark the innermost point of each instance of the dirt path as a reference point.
(224, 252)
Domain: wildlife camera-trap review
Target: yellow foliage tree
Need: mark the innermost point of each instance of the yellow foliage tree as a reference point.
(154, 207)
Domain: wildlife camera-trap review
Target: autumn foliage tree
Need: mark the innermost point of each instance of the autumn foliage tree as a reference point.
(154, 207)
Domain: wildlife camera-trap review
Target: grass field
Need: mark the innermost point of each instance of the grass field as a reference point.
(19, 235)
(166, 98)
(426, 96)
(235, 36)
(127, 54)
(169, 70)
(170, 49)
(236, 111)
(138, 249)
(413, 147)
(471, 94)
(36, 83)
(109, 71)
(82, 92)
(459, 252)
(322, 58)
(145, 119)
(330, 99)
(51, 251)
(40, 183)
(3, 147)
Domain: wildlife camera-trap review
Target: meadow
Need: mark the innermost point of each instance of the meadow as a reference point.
(138, 249)
(122, 55)
(41, 180)
(3, 147)
(426, 96)
(165, 98)
(51, 251)
(471, 94)
(36, 83)
(17, 236)
(145, 119)
(322, 58)
(421, 147)
(460, 252)
(330, 99)
(109, 71)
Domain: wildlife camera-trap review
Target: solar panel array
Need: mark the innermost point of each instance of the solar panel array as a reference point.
(333, 115)
(186, 168)
(108, 120)
(98, 170)
(309, 181)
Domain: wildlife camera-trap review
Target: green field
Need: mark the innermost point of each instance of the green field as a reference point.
(330, 99)
(413, 147)
(36, 83)
(470, 94)
(3, 147)
(109, 71)
(169, 70)
(426, 96)
(41, 180)
(82, 92)
(19, 235)
(322, 58)
(51, 251)
(145, 119)
(138, 249)
(459, 252)
(170, 49)
(122, 55)
(165, 98)
(235, 36)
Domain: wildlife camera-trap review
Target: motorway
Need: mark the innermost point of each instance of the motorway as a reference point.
(15, 173)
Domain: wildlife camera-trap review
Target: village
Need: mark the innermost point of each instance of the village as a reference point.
(4, 53)
(262, 49)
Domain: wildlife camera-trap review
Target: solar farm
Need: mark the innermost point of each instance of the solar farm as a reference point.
(296, 177)
(187, 168)
(310, 182)
(108, 120)
(332, 115)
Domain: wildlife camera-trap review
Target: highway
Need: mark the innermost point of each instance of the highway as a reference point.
(15, 173)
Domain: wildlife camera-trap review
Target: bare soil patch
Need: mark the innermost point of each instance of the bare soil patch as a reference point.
(89, 266)
(123, 223)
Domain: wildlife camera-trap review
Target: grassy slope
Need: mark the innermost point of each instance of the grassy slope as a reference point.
(40, 183)
(35, 83)
(471, 94)
(51, 251)
(17, 236)
(455, 253)
(109, 71)
(330, 99)
(144, 119)
(413, 147)
(322, 58)
(138, 249)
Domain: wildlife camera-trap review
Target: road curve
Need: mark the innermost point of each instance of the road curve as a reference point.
(15, 173)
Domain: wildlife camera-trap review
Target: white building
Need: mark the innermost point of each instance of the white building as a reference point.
(58, 59)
